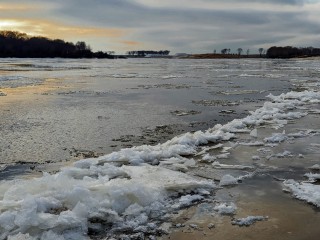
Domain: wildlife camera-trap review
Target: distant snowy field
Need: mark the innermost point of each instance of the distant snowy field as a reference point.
(134, 190)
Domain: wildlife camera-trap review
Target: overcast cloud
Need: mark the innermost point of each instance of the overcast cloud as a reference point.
(193, 26)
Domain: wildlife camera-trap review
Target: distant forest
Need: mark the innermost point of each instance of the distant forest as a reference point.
(291, 52)
(21, 45)
(143, 53)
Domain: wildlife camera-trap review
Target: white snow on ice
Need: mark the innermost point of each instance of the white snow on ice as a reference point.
(247, 221)
(227, 180)
(226, 166)
(304, 191)
(225, 208)
(75, 199)
(313, 176)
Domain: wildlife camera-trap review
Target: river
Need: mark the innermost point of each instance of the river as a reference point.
(129, 144)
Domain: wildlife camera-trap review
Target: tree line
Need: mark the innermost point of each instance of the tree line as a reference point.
(143, 53)
(21, 45)
(278, 52)
(227, 51)
(291, 52)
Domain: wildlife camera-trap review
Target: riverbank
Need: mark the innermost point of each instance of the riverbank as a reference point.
(237, 56)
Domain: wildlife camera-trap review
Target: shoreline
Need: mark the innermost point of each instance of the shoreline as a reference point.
(188, 56)
(236, 56)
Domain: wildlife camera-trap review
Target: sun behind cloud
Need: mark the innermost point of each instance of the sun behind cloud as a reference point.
(9, 24)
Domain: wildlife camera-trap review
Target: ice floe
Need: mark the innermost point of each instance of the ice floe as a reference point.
(256, 143)
(304, 191)
(254, 133)
(247, 221)
(256, 158)
(313, 176)
(225, 208)
(315, 167)
(227, 180)
(226, 166)
(276, 138)
(208, 158)
(284, 154)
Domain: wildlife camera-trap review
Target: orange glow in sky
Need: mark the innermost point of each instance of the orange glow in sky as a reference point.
(8, 24)
(57, 30)
(25, 18)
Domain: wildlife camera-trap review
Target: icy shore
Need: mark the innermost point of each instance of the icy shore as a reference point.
(133, 190)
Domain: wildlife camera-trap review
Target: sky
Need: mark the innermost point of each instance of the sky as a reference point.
(181, 26)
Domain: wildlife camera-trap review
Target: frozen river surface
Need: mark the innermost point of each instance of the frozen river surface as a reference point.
(99, 106)
(156, 136)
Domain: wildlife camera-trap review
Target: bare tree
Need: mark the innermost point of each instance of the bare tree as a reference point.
(248, 51)
(260, 51)
(240, 51)
(214, 51)
(224, 51)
